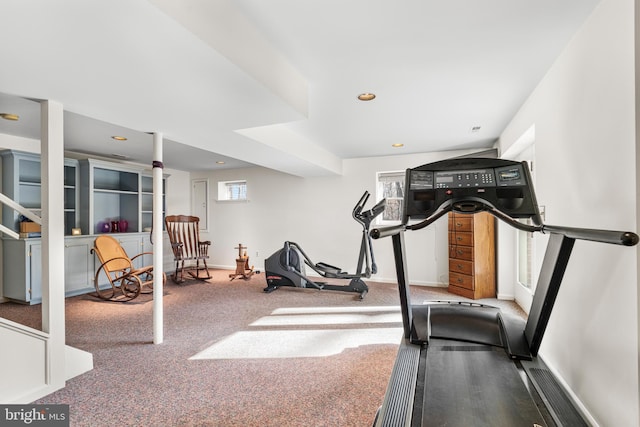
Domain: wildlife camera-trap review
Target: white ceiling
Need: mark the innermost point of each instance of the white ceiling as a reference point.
(274, 83)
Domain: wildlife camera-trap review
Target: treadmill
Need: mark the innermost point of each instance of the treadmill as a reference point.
(469, 364)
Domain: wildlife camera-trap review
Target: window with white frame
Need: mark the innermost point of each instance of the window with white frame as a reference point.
(523, 149)
(526, 240)
(390, 186)
(525, 257)
(232, 190)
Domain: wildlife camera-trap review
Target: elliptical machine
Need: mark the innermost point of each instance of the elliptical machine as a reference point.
(286, 267)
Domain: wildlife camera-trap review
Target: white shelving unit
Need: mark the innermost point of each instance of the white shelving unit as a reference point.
(21, 181)
(95, 192)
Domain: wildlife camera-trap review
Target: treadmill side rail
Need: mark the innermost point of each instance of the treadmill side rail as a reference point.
(397, 407)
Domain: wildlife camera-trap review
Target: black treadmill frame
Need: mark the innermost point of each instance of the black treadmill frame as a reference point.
(521, 342)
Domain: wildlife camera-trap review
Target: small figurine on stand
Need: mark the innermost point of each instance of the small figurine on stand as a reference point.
(242, 264)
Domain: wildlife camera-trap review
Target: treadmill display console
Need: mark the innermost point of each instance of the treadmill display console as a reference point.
(470, 185)
(501, 177)
(510, 176)
(421, 180)
(469, 178)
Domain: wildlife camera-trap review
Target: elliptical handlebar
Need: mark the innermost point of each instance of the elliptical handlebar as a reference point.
(365, 218)
(360, 205)
(376, 210)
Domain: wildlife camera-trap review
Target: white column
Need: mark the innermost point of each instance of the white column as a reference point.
(52, 189)
(158, 315)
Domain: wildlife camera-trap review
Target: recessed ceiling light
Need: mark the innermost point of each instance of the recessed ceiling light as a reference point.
(9, 116)
(366, 96)
(397, 145)
(220, 162)
(119, 138)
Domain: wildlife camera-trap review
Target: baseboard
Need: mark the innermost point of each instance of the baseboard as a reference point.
(373, 279)
(576, 401)
(430, 284)
(506, 297)
(223, 267)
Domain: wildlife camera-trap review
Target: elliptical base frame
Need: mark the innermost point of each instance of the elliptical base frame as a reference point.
(286, 267)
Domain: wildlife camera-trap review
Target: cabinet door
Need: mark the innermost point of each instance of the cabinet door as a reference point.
(77, 267)
(133, 246)
(35, 271)
(17, 268)
(147, 247)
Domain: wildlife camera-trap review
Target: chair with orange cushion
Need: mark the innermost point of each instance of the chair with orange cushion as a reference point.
(125, 280)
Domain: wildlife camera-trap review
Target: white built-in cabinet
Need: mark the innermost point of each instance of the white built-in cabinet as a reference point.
(21, 182)
(22, 258)
(109, 193)
(22, 275)
(96, 192)
(78, 265)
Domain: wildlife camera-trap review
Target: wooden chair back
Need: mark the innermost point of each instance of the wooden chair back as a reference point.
(184, 235)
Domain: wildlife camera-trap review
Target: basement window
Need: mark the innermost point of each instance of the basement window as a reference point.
(232, 190)
(390, 186)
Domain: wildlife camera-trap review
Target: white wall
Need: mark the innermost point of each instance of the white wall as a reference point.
(316, 213)
(178, 196)
(584, 116)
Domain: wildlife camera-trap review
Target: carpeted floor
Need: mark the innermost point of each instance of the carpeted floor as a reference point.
(233, 355)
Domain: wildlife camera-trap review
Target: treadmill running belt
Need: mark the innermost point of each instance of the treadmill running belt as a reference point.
(474, 385)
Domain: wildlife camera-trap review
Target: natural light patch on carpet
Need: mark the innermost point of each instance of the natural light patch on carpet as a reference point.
(307, 310)
(329, 319)
(330, 316)
(296, 343)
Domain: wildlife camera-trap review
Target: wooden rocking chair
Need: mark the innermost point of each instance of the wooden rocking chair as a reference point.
(125, 280)
(184, 235)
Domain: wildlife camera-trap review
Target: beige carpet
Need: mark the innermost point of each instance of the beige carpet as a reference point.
(233, 355)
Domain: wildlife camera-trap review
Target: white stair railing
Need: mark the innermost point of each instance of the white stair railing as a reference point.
(22, 210)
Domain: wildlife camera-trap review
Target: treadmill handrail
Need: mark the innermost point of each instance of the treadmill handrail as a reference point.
(430, 220)
(378, 233)
(626, 238)
(616, 237)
